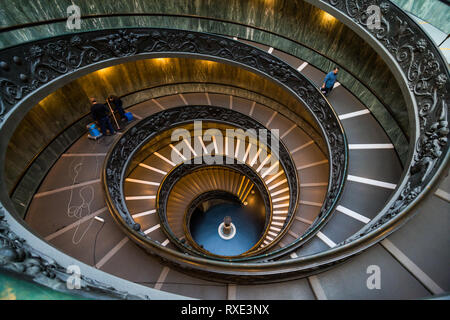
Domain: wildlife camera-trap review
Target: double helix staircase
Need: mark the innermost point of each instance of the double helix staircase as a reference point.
(330, 216)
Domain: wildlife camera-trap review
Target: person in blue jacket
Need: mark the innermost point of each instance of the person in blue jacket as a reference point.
(329, 81)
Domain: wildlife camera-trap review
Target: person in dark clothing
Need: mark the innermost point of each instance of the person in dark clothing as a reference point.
(100, 114)
(116, 104)
(329, 81)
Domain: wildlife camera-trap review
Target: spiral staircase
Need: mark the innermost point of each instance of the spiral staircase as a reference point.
(337, 192)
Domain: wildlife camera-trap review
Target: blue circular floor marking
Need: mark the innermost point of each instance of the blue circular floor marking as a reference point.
(204, 229)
